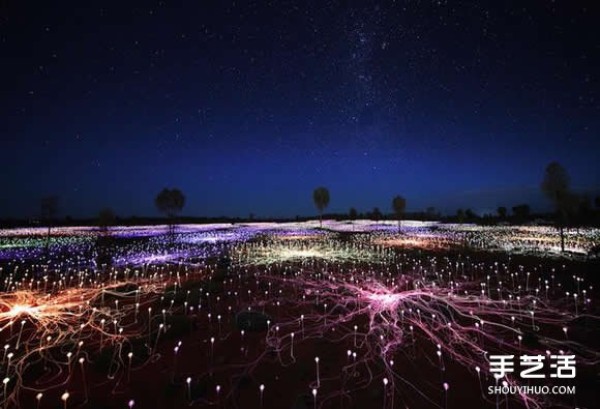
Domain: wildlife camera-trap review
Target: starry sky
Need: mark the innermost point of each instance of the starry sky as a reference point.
(247, 106)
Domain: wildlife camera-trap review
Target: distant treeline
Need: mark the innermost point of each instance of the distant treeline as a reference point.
(571, 209)
(519, 215)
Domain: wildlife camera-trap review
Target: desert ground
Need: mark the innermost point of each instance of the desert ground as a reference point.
(293, 315)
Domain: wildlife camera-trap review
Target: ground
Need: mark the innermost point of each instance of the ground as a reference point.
(136, 317)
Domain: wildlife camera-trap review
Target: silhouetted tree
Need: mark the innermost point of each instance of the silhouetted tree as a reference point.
(321, 199)
(48, 210)
(352, 213)
(460, 215)
(556, 187)
(170, 202)
(106, 218)
(376, 214)
(597, 202)
(431, 214)
(521, 212)
(399, 206)
(502, 212)
(470, 215)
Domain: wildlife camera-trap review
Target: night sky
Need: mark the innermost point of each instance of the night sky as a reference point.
(248, 106)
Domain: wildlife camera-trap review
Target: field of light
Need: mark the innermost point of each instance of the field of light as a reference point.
(347, 308)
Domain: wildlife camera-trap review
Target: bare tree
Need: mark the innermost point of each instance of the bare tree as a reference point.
(460, 216)
(49, 210)
(376, 214)
(399, 206)
(352, 214)
(106, 218)
(321, 199)
(556, 187)
(170, 202)
(104, 256)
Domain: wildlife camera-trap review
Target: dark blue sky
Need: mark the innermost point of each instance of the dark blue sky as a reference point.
(248, 106)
